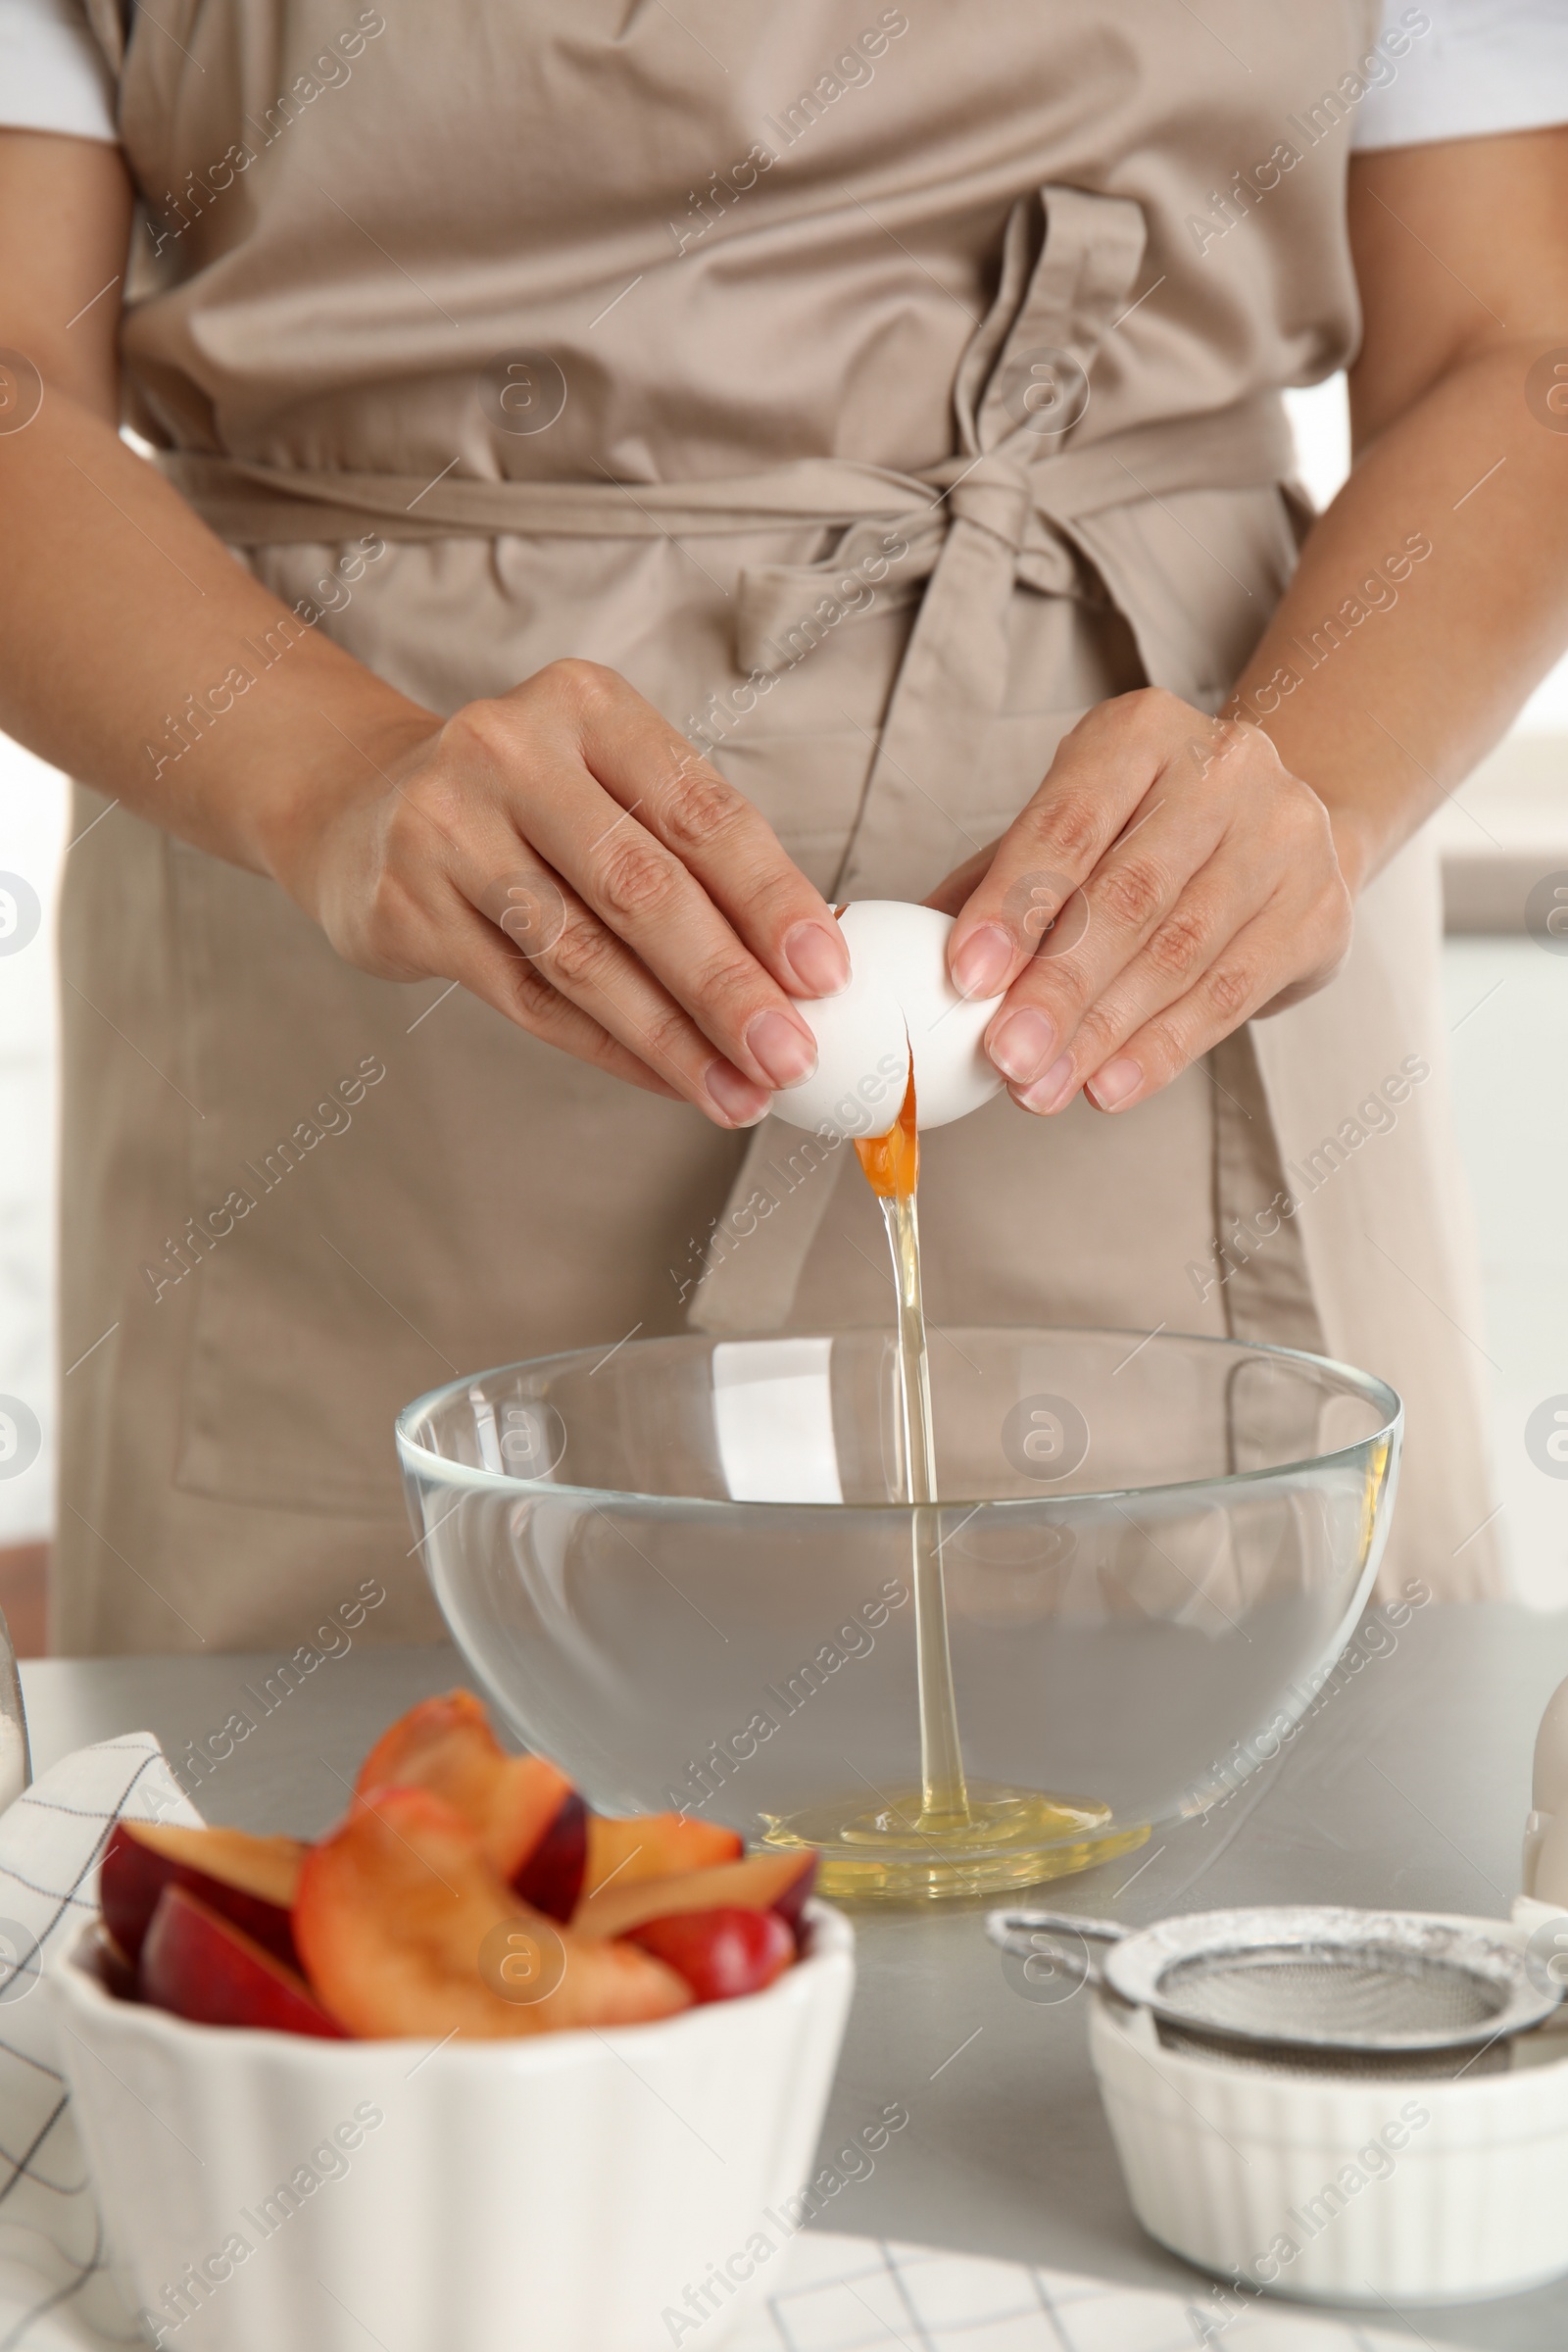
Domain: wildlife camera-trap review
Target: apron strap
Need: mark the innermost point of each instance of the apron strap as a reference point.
(1246, 446)
(109, 22)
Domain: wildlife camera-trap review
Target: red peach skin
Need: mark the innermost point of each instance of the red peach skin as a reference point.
(757, 1883)
(202, 1967)
(721, 1954)
(553, 1877)
(653, 1845)
(114, 1971)
(248, 1879)
(395, 1909)
(446, 1745)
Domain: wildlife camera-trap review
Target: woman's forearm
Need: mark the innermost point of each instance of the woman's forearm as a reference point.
(1433, 594)
(134, 651)
(136, 654)
(491, 849)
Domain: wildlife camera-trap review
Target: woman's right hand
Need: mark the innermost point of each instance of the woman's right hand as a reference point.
(566, 855)
(560, 850)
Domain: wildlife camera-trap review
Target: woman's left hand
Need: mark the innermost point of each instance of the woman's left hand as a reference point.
(1169, 880)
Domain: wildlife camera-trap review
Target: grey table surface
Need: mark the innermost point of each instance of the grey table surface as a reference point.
(1408, 1786)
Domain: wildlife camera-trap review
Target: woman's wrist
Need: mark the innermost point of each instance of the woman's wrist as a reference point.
(1357, 821)
(346, 750)
(1359, 842)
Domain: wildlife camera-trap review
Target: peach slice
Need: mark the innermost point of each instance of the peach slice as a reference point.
(103, 1958)
(405, 1928)
(553, 1877)
(248, 1879)
(757, 1883)
(721, 1954)
(791, 1905)
(205, 1969)
(653, 1845)
(446, 1745)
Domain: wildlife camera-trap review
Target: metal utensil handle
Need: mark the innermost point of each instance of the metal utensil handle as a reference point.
(1007, 1929)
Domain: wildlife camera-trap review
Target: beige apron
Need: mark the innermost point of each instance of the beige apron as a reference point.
(780, 288)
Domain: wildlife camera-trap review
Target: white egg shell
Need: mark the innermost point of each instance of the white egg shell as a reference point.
(862, 1066)
(898, 1001)
(952, 1073)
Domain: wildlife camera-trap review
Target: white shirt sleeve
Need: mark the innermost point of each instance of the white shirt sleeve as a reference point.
(53, 75)
(1460, 69)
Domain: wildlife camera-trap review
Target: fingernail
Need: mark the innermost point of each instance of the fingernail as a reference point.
(742, 1104)
(1022, 1045)
(1052, 1091)
(1112, 1085)
(819, 958)
(983, 962)
(787, 1054)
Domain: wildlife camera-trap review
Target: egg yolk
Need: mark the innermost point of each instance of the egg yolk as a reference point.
(892, 1161)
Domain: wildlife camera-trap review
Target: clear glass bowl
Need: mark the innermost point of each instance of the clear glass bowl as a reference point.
(681, 1570)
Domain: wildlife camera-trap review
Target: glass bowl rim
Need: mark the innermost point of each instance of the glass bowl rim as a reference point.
(1376, 1392)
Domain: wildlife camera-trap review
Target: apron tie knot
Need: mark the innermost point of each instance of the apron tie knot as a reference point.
(995, 495)
(984, 520)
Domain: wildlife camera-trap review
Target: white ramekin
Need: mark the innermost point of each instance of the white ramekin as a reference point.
(1333, 2188)
(564, 2193)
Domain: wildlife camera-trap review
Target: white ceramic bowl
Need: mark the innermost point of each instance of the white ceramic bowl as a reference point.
(1336, 2188)
(561, 2193)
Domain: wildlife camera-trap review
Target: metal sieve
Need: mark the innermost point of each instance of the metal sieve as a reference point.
(1320, 1990)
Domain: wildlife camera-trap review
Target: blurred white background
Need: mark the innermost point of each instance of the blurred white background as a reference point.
(1508, 1013)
